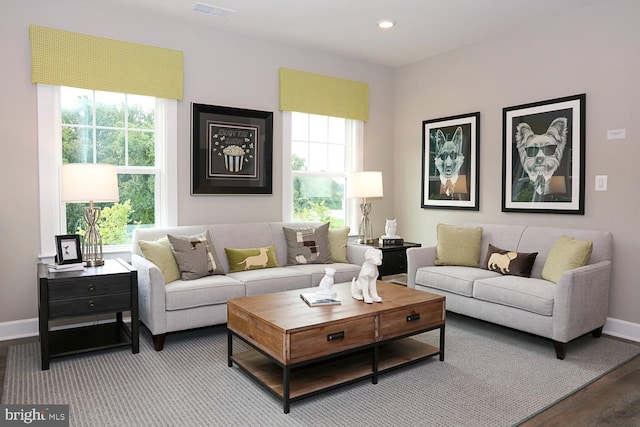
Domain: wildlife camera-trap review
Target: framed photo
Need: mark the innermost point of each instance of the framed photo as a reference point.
(68, 249)
(543, 156)
(450, 162)
(232, 150)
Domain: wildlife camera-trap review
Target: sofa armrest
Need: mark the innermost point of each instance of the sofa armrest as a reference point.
(355, 253)
(416, 258)
(151, 295)
(582, 300)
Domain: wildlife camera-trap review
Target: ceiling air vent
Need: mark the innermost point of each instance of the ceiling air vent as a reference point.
(212, 10)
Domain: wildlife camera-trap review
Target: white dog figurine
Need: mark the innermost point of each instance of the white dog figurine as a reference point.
(325, 288)
(364, 288)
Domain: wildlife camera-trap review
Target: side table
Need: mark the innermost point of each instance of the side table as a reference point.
(394, 257)
(111, 288)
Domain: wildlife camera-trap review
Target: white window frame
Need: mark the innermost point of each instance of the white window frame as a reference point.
(355, 161)
(52, 210)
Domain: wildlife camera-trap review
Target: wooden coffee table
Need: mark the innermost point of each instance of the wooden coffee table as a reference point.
(298, 351)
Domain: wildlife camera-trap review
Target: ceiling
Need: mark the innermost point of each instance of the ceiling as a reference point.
(423, 28)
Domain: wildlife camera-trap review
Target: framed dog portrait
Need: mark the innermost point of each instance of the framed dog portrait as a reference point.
(543, 156)
(450, 162)
(232, 150)
(68, 249)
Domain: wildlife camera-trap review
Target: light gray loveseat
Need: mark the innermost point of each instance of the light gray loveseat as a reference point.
(187, 304)
(576, 305)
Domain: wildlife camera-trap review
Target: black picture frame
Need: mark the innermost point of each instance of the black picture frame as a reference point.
(232, 150)
(538, 179)
(451, 162)
(68, 249)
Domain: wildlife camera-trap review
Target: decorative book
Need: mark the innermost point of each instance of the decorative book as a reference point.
(58, 268)
(310, 298)
(392, 241)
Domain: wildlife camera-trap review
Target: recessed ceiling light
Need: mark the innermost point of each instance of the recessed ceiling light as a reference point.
(386, 23)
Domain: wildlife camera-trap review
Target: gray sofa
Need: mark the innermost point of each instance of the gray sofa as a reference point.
(187, 304)
(576, 305)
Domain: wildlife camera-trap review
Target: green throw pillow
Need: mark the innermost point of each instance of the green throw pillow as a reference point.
(338, 238)
(308, 245)
(566, 253)
(195, 255)
(458, 245)
(159, 253)
(251, 259)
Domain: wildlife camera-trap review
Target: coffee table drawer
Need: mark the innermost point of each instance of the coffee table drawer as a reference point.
(411, 319)
(331, 339)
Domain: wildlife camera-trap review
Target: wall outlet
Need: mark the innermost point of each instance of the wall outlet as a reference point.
(616, 134)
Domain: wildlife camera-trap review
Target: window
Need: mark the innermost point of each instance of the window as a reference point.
(135, 133)
(319, 153)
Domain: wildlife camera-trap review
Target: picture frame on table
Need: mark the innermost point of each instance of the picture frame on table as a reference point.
(543, 156)
(232, 150)
(451, 162)
(68, 249)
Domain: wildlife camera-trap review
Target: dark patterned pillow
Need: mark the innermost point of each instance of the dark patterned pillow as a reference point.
(509, 262)
(195, 256)
(309, 245)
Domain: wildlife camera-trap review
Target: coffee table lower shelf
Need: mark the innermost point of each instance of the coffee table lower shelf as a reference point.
(310, 379)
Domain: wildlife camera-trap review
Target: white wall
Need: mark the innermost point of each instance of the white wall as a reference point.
(219, 69)
(593, 50)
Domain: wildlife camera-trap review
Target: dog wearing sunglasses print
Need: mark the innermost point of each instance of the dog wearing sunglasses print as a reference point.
(448, 160)
(540, 155)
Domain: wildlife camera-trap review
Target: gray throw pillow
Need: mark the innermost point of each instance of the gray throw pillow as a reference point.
(309, 245)
(195, 256)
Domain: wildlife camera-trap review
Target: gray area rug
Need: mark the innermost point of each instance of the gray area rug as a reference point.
(491, 376)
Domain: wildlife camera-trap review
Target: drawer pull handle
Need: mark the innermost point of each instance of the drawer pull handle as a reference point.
(91, 288)
(413, 317)
(92, 304)
(335, 336)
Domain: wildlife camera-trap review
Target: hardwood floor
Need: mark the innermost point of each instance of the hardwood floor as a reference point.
(613, 400)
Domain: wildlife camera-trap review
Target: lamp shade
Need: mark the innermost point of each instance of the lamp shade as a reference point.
(365, 184)
(89, 182)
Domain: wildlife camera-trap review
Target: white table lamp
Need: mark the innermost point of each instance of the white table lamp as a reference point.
(365, 184)
(90, 182)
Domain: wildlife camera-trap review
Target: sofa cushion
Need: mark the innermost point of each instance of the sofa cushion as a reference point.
(534, 295)
(195, 256)
(204, 291)
(455, 279)
(566, 253)
(159, 252)
(344, 272)
(251, 258)
(458, 245)
(271, 280)
(338, 239)
(509, 262)
(308, 245)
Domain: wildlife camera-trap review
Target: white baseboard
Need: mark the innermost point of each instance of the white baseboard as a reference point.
(622, 329)
(25, 328)
(18, 329)
(29, 328)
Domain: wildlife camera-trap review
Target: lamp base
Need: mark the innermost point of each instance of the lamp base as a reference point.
(94, 262)
(366, 241)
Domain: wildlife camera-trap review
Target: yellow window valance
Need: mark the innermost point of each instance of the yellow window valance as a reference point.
(64, 58)
(317, 94)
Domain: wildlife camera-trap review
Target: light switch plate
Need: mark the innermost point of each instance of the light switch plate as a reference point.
(601, 182)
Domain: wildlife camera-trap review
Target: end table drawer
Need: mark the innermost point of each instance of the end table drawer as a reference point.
(82, 306)
(89, 286)
(332, 339)
(411, 319)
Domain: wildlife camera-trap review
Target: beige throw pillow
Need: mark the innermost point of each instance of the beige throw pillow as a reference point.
(159, 253)
(338, 239)
(566, 253)
(458, 245)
